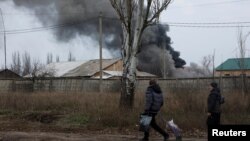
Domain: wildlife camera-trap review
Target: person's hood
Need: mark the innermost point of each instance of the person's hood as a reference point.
(156, 88)
(215, 90)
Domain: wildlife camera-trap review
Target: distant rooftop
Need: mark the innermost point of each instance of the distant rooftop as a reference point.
(110, 74)
(89, 68)
(62, 68)
(234, 64)
(85, 68)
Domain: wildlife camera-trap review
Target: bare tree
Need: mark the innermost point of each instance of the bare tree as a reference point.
(16, 63)
(40, 70)
(135, 17)
(241, 57)
(49, 58)
(57, 59)
(242, 50)
(196, 69)
(26, 64)
(193, 70)
(71, 57)
(36, 67)
(207, 62)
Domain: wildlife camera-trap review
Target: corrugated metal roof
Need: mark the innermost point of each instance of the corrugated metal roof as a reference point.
(138, 73)
(113, 73)
(62, 68)
(90, 67)
(109, 74)
(234, 64)
(144, 74)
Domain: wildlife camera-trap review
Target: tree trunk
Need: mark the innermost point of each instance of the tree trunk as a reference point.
(129, 53)
(128, 82)
(127, 93)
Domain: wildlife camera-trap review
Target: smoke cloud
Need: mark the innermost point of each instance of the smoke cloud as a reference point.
(80, 17)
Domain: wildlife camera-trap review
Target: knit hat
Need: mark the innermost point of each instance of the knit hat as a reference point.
(152, 82)
(214, 84)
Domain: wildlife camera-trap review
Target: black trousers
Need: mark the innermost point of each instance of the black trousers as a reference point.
(156, 127)
(213, 119)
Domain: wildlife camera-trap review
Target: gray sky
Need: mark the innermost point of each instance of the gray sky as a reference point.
(196, 42)
(39, 44)
(192, 42)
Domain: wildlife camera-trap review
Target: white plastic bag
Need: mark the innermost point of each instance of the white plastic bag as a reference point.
(175, 129)
(145, 122)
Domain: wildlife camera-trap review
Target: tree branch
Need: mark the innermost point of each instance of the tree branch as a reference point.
(147, 13)
(118, 6)
(129, 14)
(156, 14)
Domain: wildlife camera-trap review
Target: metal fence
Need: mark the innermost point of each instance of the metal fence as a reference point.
(78, 84)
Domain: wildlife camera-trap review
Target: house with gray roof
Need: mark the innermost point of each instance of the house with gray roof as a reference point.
(7, 74)
(112, 69)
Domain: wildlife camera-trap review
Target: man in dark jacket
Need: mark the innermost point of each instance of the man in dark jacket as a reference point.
(213, 105)
(154, 102)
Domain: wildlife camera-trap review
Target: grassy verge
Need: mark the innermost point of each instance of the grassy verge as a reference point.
(101, 111)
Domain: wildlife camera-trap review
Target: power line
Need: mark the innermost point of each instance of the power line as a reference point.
(173, 24)
(212, 3)
(203, 24)
(210, 23)
(43, 13)
(219, 3)
(207, 26)
(39, 28)
(36, 29)
(195, 5)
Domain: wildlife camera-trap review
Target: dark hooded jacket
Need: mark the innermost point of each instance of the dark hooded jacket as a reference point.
(213, 101)
(154, 99)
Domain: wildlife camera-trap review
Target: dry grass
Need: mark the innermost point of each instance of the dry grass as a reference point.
(99, 111)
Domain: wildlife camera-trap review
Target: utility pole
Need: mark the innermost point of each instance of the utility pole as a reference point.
(100, 44)
(163, 47)
(213, 65)
(5, 67)
(164, 52)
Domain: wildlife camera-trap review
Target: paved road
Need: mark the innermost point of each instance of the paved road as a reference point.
(36, 136)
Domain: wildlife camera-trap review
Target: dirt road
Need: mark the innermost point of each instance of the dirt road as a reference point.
(37, 136)
(15, 129)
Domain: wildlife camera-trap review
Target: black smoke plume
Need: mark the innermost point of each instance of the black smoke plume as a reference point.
(156, 50)
(80, 17)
